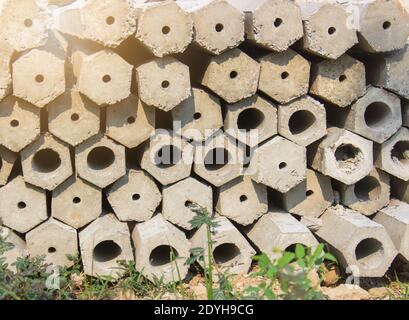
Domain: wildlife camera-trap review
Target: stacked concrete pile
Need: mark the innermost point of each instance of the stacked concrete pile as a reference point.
(289, 120)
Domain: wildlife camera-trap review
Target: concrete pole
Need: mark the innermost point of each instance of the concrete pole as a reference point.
(19, 123)
(82, 115)
(23, 206)
(134, 197)
(181, 197)
(218, 25)
(284, 76)
(47, 162)
(161, 250)
(103, 243)
(100, 161)
(242, 200)
(163, 27)
(271, 24)
(76, 202)
(359, 242)
(54, 240)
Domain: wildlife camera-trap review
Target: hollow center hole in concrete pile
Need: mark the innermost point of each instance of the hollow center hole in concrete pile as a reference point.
(250, 119)
(300, 121)
(165, 84)
(197, 116)
(282, 165)
(52, 250)
(243, 198)
(348, 155)
(46, 161)
(110, 20)
(331, 30)
(225, 253)
(28, 23)
(219, 27)
(367, 189)
(75, 117)
(168, 156)
(106, 251)
(278, 22)
(21, 205)
(162, 255)
(369, 252)
(216, 159)
(100, 158)
(377, 115)
(386, 25)
(234, 74)
(136, 196)
(106, 78)
(284, 75)
(14, 123)
(309, 193)
(342, 78)
(76, 200)
(166, 30)
(131, 119)
(39, 78)
(400, 152)
(188, 204)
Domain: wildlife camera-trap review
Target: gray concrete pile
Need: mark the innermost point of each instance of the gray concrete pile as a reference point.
(288, 120)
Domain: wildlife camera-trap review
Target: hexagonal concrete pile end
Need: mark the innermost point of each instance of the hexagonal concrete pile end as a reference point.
(254, 113)
(23, 206)
(242, 200)
(76, 110)
(161, 250)
(38, 77)
(219, 160)
(180, 198)
(339, 81)
(395, 219)
(232, 75)
(369, 194)
(302, 121)
(164, 28)
(163, 83)
(108, 22)
(310, 198)
(168, 159)
(376, 116)
(218, 25)
(76, 202)
(47, 162)
(100, 161)
(107, 69)
(361, 244)
(287, 24)
(103, 243)
(279, 164)
(231, 251)
(392, 155)
(343, 155)
(279, 231)
(7, 160)
(199, 116)
(327, 32)
(19, 123)
(134, 197)
(54, 240)
(24, 23)
(284, 76)
(384, 26)
(130, 122)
